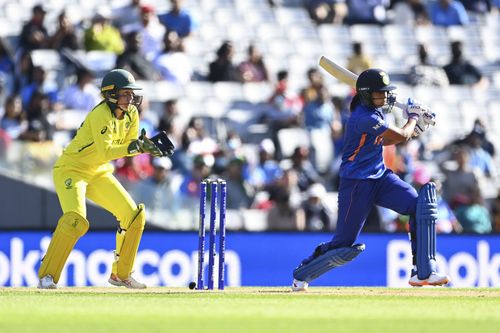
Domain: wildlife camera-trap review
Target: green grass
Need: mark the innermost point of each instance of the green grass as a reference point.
(242, 310)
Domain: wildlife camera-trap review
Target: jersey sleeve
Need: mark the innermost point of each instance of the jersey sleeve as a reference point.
(372, 124)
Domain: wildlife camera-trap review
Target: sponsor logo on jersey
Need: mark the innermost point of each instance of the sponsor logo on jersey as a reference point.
(68, 182)
(104, 129)
(376, 127)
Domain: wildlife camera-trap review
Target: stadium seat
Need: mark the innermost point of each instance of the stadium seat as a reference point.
(292, 16)
(100, 61)
(291, 138)
(256, 92)
(46, 58)
(228, 91)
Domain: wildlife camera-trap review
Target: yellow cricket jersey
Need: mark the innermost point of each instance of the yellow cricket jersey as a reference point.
(100, 139)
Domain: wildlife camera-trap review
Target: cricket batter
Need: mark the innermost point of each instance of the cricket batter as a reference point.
(110, 131)
(365, 181)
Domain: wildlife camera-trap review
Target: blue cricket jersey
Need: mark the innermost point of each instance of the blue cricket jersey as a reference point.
(362, 155)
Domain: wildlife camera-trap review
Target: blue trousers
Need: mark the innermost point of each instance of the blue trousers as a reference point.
(357, 197)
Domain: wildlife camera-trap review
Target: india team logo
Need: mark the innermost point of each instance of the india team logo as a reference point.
(385, 78)
(68, 182)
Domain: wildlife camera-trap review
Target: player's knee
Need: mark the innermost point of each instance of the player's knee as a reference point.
(73, 224)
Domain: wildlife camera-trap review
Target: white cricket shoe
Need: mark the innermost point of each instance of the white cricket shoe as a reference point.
(434, 279)
(130, 282)
(47, 282)
(299, 285)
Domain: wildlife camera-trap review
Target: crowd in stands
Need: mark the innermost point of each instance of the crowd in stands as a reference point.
(291, 175)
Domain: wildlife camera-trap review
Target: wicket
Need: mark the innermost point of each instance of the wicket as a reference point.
(215, 195)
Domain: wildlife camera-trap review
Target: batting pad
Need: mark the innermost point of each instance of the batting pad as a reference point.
(327, 261)
(131, 237)
(70, 227)
(426, 230)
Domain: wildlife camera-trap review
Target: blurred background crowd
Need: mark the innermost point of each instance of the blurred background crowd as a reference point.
(235, 84)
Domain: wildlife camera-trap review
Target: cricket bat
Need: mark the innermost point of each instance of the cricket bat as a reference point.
(344, 75)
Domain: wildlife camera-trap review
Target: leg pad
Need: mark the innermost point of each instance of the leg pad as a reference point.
(312, 269)
(426, 218)
(129, 239)
(70, 227)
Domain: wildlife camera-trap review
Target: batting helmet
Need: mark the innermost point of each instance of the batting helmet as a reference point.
(118, 79)
(372, 80)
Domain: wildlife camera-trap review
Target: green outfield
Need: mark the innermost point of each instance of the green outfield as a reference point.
(241, 310)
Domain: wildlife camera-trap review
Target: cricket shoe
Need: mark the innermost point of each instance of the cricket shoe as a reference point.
(435, 279)
(47, 282)
(299, 285)
(129, 282)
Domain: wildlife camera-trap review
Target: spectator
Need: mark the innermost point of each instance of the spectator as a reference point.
(254, 69)
(358, 61)
(13, 121)
(7, 66)
(83, 94)
(286, 213)
(34, 35)
(425, 73)
(480, 129)
(128, 14)
(327, 11)
(473, 216)
(367, 12)
(150, 30)
(65, 36)
(319, 114)
(446, 13)
(159, 191)
(267, 172)
(196, 140)
(411, 12)
(317, 215)
(134, 61)
(285, 105)
(101, 35)
(189, 191)
(316, 82)
(459, 181)
(39, 127)
(477, 6)
(460, 71)
(240, 193)
(39, 84)
(322, 125)
(479, 159)
(222, 68)
(172, 63)
(168, 119)
(496, 213)
(23, 72)
(130, 170)
(178, 19)
(306, 173)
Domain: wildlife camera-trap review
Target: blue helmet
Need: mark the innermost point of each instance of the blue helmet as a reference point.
(372, 80)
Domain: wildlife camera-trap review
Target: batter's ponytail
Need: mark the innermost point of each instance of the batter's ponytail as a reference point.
(356, 100)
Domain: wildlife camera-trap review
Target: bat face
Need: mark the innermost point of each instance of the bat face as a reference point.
(337, 71)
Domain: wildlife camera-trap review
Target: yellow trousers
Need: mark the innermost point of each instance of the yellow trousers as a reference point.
(74, 185)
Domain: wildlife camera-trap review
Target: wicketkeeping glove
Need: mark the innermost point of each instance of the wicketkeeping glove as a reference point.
(162, 141)
(144, 145)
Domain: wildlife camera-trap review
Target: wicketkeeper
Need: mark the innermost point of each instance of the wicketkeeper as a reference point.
(110, 131)
(365, 181)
